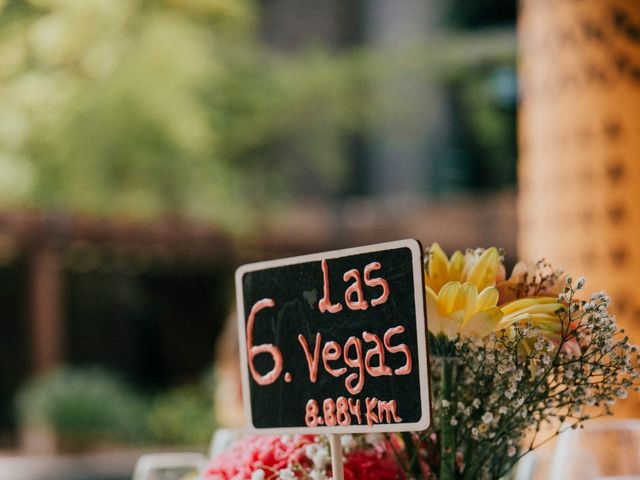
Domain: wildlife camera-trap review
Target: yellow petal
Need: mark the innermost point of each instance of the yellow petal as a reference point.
(456, 265)
(523, 303)
(434, 324)
(513, 319)
(451, 325)
(540, 312)
(434, 321)
(483, 274)
(447, 297)
(537, 311)
(466, 300)
(482, 323)
(548, 323)
(517, 305)
(487, 298)
(437, 268)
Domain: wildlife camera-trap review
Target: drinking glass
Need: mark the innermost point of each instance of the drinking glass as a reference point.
(603, 449)
(170, 466)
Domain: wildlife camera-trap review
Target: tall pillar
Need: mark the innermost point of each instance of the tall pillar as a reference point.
(579, 137)
(46, 289)
(408, 136)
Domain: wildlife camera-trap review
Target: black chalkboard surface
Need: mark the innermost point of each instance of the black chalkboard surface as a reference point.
(335, 342)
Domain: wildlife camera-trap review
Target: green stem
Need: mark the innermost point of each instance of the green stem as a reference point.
(412, 453)
(447, 432)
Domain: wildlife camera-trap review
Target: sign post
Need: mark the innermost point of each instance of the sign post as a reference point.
(336, 456)
(335, 343)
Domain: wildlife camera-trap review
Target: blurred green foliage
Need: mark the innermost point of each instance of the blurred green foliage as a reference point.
(152, 108)
(159, 107)
(83, 407)
(182, 416)
(484, 109)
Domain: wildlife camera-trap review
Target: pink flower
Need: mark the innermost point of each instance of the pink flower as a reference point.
(529, 280)
(268, 453)
(366, 464)
(271, 454)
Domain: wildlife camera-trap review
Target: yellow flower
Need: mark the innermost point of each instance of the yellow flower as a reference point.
(482, 267)
(540, 312)
(478, 267)
(440, 269)
(458, 309)
(462, 298)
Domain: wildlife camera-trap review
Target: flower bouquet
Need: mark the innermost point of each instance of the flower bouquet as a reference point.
(514, 361)
(270, 457)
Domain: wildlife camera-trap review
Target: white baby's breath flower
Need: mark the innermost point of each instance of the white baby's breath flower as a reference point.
(317, 475)
(257, 475)
(321, 458)
(373, 438)
(286, 474)
(487, 417)
(310, 450)
(348, 442)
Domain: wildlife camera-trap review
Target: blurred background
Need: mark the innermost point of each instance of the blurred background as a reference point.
(149, 147)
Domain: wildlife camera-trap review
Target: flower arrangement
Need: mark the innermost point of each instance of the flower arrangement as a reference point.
(514, 361)
(273, 457)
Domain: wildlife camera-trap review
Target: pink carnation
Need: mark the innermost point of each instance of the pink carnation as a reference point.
(266, 452)
(273, 453)
(365, 464)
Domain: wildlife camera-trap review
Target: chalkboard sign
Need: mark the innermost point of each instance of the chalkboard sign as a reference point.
(334, 342)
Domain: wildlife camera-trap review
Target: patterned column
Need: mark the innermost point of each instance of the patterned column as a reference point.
(579, 169)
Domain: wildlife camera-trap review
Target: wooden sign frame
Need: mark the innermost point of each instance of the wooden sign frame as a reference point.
(421, 359)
